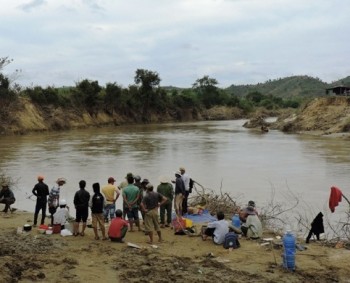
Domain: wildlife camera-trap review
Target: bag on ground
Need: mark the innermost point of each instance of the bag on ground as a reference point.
(231, 241)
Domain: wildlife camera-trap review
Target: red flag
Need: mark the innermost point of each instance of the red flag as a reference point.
(334, 198)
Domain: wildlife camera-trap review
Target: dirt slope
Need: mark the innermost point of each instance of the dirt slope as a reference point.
(326, 115)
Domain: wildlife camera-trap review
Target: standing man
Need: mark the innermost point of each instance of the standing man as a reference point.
(131, 196)
(150, 204)
(6, 196)
(111, 194)
(81, 203)
(143, 192)
(165, 189)
(54, 197)
(41, 191)
(179, 193)
(97, 203)
(186, 180)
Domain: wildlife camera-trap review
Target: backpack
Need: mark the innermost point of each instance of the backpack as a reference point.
(231, 241)
(97, 203)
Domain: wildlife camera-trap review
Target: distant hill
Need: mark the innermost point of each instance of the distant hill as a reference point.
(304, 86)
(294, 86)
(284, 87)
(344, 82)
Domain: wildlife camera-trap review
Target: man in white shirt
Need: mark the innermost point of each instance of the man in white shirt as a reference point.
(217, 229)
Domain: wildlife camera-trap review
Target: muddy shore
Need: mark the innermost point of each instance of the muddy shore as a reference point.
(30, 256)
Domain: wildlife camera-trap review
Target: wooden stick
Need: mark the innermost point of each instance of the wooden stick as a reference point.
(345, 198)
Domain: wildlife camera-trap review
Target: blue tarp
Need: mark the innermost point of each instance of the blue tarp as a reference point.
(199, 218)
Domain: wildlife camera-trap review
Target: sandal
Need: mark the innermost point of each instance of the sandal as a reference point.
(75, 234)
(97, 238)
(104, 239)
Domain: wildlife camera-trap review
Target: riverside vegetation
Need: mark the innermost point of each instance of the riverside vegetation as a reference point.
(37, 108)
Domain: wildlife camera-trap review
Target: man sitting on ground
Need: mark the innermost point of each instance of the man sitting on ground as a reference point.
(118, 228)
(7, 197)
(252, 228)
(61, 215)
(216, 229)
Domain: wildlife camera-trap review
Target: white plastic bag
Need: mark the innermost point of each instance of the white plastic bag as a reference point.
(66, 232)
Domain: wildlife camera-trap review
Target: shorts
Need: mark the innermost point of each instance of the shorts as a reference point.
(152, 220)
(178, 202)
(132, 214)
(82, 214)
(97, 218)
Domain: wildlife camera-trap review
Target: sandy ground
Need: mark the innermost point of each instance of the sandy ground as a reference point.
(31, 256)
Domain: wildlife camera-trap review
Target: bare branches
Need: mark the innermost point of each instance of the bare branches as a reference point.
(212, 201)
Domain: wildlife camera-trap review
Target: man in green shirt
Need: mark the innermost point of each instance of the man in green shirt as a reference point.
(165, 188)
(131, 196)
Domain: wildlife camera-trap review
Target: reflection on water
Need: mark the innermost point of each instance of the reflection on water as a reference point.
(245, 161)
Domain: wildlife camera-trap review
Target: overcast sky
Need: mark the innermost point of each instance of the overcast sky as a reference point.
(60, 42)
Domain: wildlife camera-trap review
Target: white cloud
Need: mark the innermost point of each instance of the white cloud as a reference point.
(234, 41)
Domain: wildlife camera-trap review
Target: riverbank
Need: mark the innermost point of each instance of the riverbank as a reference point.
(23, 116)
(30, 256)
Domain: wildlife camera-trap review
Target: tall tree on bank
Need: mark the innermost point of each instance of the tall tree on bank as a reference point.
(87, 94)
(207, 91)
(148, 81)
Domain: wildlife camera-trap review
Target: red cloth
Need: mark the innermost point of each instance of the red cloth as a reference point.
(116, 227)
(334, 198)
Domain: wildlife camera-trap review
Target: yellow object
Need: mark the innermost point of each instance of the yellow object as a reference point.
(188, 222)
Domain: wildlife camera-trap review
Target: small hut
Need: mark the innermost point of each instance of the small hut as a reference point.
(339, 90)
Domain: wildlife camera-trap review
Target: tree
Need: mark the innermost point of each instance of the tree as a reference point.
(207, 91)
(87, 94)
(113, 93)
(148, 81)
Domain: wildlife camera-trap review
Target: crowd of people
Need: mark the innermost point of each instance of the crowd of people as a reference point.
(138, 198)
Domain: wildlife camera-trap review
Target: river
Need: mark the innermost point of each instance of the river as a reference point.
(243, 162)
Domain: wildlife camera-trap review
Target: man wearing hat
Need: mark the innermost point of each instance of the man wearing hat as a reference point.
(111, 194)
(6, 196)
(165, 189)
(243, 213)
(41, 191)
(54, 197)
(252, 228)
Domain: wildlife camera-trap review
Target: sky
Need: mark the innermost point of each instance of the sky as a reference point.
(61, 42)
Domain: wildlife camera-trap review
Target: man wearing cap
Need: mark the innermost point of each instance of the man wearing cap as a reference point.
(41, 191)
(186, 180)
(111, 194)
(131, 196)
(54, 197)
(165, 189)
(6, 196)
(179, 193)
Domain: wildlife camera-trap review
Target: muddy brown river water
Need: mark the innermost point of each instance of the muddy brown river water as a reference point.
(246, 163)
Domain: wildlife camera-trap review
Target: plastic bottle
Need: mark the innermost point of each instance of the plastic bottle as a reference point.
(289, 250)
(236, 222)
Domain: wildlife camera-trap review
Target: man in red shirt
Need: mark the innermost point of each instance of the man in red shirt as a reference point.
(118, 227)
